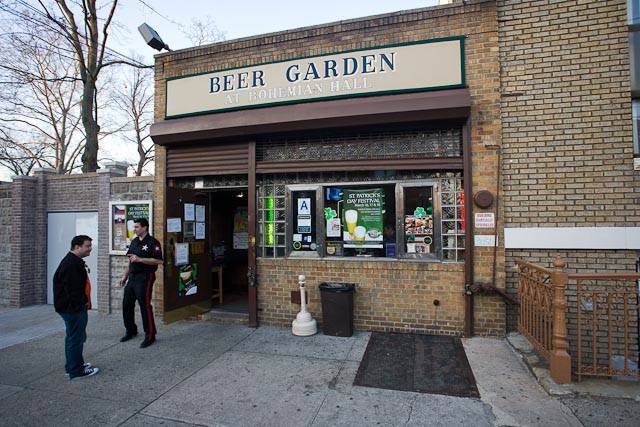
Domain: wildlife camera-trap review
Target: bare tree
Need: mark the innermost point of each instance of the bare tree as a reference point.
(39, 102)
(134, 98)
(84, 27)
(202, 31)
(19, 157)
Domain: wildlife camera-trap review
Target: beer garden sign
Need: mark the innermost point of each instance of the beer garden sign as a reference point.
(410, 67)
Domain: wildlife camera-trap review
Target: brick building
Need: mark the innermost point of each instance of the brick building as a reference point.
(542, 105)
(476, 133)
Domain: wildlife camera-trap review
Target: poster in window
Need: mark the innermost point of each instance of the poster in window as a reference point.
(188, 280)
(303, 210)
(122, 217)
(363, 218)
(241, 228)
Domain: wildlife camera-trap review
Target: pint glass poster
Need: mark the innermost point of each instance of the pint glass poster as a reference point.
(362, 218)
(123, 215)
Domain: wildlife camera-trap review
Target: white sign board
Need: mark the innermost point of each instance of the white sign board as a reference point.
(182, 253)
(484, 240)
(416, 66)
(485, 220)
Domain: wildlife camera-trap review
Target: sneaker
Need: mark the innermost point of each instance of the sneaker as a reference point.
(147, 342)
(127, 337)
(87, 372)
(85, 366)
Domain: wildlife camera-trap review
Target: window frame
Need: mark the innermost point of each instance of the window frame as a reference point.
(289, 252)
(401, 249)
(399, 186)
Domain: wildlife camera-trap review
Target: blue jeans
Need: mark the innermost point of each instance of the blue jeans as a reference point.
(76, 325)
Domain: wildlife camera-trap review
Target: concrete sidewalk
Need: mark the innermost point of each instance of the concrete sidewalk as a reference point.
(202, 373)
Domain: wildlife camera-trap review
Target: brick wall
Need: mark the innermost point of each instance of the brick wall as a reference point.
(72, 192)
(566, 125)
(477, 20)
(24, 207)
(23, 288)
(390, 296)
(5, 249)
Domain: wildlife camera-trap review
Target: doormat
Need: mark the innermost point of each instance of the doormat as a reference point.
(420, 363)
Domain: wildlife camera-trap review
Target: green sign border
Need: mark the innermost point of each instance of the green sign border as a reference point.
(328, 98)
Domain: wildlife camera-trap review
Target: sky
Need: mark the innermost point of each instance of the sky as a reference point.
(236, 19)
(239, 18)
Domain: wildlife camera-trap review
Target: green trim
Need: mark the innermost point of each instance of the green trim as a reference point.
(461, 39)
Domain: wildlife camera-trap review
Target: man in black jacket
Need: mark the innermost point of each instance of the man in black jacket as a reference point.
(70, 301)
(145, 255)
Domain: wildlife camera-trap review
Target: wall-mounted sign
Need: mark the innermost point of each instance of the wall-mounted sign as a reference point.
(121, 221)
(484, 240)
(485, 220)
(410, 67)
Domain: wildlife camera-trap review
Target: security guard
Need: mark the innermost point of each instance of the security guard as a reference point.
(145, 255)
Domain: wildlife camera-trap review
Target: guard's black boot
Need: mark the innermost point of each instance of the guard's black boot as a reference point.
(147, 342)
(128, 337)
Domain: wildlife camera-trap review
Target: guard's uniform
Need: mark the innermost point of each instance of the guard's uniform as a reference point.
(140, 286)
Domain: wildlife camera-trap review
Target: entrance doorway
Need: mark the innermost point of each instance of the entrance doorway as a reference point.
(229, 243)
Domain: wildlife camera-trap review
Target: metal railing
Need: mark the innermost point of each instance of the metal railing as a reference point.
(541, 315)
(604, 314)
(594, 315)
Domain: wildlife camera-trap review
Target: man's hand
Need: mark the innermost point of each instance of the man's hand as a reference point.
(135, 258)
(122, 281)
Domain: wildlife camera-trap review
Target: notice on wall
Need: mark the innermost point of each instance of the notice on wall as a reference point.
(334, 227)
(485, 220)
(362, 217)
(122, 223)
(485, 240)
(182, 253)
(200, 230)
(174, 225)
(189, 212)
(200, 213)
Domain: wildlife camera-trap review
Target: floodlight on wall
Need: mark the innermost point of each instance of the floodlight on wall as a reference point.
(152, 38)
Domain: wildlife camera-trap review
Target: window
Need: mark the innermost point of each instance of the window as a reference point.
(636, 128)
(418, 231)
(633, 11)
(271, 220)
(359, 220)
(634, 62)
(302, 236)
(407, 217)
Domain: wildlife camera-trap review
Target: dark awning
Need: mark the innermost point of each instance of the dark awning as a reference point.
(374, 110)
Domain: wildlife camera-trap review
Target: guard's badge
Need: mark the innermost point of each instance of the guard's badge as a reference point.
(145, 248)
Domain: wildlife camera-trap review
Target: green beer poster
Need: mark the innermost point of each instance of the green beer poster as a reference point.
(362, 217)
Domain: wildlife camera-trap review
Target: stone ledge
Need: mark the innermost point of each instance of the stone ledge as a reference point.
(587, 387)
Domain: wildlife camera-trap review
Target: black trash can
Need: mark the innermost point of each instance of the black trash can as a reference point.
(337, 308)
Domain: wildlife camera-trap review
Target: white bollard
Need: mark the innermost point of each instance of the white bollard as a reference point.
(304, 325)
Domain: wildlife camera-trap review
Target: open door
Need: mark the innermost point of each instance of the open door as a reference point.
(187, 272)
